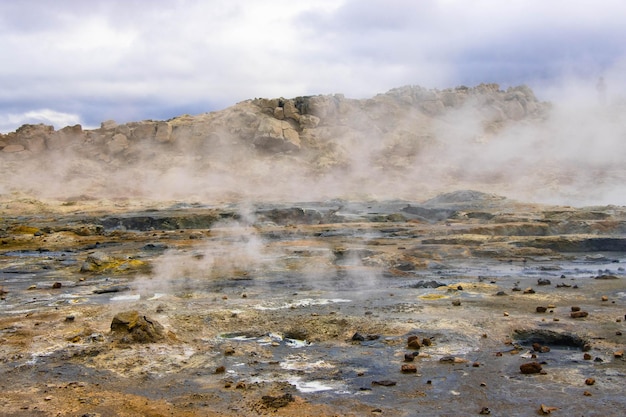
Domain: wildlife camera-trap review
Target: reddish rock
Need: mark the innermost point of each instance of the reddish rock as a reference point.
(530, 368)
(590, 381)
(408, 369)
(413, 342)
(578, 314)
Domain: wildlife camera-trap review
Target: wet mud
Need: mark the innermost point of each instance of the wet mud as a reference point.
(335, 308)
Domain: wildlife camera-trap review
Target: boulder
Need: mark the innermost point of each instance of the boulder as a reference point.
(118, 143)
(132, 327)
(163, 132)
(276, 135)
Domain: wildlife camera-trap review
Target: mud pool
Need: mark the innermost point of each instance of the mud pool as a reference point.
(307, 309)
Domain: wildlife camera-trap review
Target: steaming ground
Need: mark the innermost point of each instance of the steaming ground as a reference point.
(565, 152)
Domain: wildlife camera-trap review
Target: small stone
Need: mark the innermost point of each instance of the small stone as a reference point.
(229, 351)
(456, 303)
(543, 281)
(483, 384)
(541, 309)
(220, 369)
(506, 314)
(427, 341)
(590, 381)
(575, 308)
(409, 357)
(605, 298)
(618, 333)
(598, 359)
(476, 364)
(578, 314)
(413, 342)
(529, 291)
(587, 357)
(357, 337)
(384, 383)
(69, 318)
(587, 394)
(530, 368)
(408, 369)
(544, 409)
(619, 354)
(500, 293)
(57, 285)
(485, 411)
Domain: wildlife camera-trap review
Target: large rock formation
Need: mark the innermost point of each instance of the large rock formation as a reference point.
(290, 125)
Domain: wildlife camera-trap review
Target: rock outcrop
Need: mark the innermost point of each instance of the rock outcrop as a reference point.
(402, 117)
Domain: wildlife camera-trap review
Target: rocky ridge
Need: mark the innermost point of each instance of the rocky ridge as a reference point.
(317, 129)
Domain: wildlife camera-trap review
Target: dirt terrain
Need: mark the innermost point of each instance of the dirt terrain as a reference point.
(332, 308)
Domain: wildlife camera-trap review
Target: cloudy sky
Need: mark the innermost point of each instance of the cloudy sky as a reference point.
(86, 61)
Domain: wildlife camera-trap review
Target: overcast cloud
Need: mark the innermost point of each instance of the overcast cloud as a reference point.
(71, 61)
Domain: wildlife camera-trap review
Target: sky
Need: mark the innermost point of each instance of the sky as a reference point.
(65, 62)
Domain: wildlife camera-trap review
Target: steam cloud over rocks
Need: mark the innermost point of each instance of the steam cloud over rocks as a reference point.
(409, 142)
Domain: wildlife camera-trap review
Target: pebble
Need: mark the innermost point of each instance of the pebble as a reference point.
(57, 285)
(587, 357)
(543, 281)
(587, 394)
(485, 411)
(384, 383)
(408, 369)
(619, 354)
(220, 369)
(605, 298)
(427, 341)
(409, 357)
(456, 303)
(413, 342)
(590, 381)
(529, 291)
(578, 314)
(544, 409)
(506, 314)
(530, 368)
(541, 309)
(575, 308)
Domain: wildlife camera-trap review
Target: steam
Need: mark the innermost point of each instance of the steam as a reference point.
(571, 156)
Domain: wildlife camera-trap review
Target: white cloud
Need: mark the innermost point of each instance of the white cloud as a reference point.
(11, 122)
(107, 59)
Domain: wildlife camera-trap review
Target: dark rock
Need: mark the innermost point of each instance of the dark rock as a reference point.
(530, 368)
(384, 383)
(357, 337)
(548, 337)
(606, 277)
(541, 309)
(427, 284)
(590, 381)
(112, 289)
(543, 281)
(575, 308)
(578, 314)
